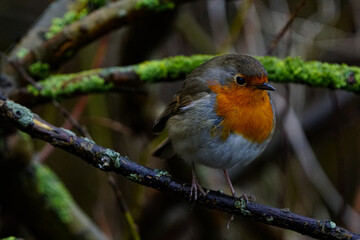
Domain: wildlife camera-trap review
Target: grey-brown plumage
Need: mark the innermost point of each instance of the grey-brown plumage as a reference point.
(222, 69)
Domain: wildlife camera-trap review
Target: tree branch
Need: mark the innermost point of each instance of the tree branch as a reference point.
(30, 189)
(71, 38)
(34, 35)
(113, 78)
(282, 32)
(295, 70)
(109, 160)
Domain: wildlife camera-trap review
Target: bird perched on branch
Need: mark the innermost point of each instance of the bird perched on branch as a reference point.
(221, 117)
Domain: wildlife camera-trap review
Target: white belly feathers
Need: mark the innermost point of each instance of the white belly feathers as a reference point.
(192, 139)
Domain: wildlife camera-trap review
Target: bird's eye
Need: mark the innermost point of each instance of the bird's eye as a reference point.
(240, 80)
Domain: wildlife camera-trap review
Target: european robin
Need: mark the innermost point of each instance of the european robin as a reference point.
(221, 117)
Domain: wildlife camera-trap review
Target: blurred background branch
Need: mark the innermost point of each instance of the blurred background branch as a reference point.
(33, 195)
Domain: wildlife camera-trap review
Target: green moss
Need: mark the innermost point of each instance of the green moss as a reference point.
(312, 73)
(68, 18)
(161, 173)
(332, 224)
(68, 84)
(22, 52)
(242, 206)
(89, 140)
(109, 158)
(117, 162)
(154, 5)
(237, 204)
(57, 24)
(23, 115)
(54, 193)
(295, 70)
(40, 69)
(172, 68)
(87, 144)
(269, 218)
(9, 238)
(135, 177)
(285, 210)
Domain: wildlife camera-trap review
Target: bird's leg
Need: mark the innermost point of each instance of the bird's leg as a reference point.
(244, 196)
(228, 180)
(195, 186)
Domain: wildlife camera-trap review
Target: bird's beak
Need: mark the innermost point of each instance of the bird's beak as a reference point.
(265, 86)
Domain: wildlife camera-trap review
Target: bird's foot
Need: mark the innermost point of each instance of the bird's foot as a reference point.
(195, 187)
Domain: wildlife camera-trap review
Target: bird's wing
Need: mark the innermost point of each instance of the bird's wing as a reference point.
(192, 90)
(170, 110)
(177, 103)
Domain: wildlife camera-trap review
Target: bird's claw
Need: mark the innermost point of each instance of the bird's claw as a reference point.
(250, 198)
(195, 187)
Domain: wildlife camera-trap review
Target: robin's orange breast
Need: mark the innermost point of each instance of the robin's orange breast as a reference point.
(244, 110)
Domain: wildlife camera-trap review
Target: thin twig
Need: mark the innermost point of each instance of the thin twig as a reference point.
(276, 40)
(97, 63)
(108, 160)
(81, 128)
(124, 208)
(236, 25)
(20, 70)
(75, 113)
(111, 124)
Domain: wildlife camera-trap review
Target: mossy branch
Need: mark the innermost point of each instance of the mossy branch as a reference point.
(107, 79)
(78, 29)
(288, 70)
(312, 73)
(108, 160)
(46, 196)
(47, 199)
